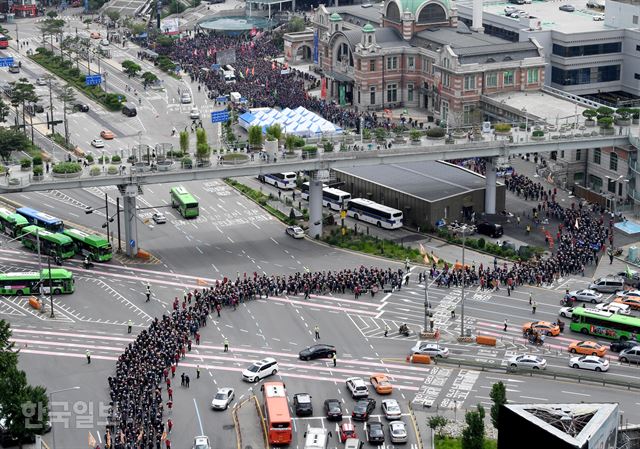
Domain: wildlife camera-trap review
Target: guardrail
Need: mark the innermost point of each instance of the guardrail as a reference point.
(580, 378)
(236, 422)
(262, 421)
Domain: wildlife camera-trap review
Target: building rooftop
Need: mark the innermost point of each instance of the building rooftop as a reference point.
(543, 105)
(369, 14)
(551, 17)
(431, 181)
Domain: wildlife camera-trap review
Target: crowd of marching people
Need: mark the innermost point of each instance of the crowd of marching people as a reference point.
(141, 390)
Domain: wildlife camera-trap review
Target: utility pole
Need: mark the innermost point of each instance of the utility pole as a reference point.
(52, 315)
(106, 206)
(118, 217)
(51, 105)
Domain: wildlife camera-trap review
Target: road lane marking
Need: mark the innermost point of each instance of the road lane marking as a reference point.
(578, 394)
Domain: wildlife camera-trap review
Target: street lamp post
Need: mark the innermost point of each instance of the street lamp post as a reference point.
(526, 124)
(464, 230)
(53, 427)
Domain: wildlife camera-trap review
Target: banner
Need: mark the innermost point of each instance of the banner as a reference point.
(323, 88)
(315, 47)
(342, 91)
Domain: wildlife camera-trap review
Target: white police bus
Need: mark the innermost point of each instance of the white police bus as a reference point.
(284, 181)
(377, 214)
(332, 198)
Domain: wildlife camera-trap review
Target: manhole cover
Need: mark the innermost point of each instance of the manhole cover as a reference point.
(228, 426)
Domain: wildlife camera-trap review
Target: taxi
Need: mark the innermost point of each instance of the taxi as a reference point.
(542, 327)
(106, 134)
(631, 301)
(587, 348)
(381, 383)
(347, 431)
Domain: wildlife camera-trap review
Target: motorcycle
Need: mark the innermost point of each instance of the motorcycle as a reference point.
(404, 331)
(568, 302)
(87, 265)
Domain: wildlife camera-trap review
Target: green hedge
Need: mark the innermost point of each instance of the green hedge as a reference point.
(66, 70)
(491, 248)
(261, 199)
(435, 132)
(373, 245)
(235, 156)
(67, 167)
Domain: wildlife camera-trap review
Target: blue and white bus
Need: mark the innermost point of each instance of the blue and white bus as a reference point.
(41, 219)
(372, 212)
(284, 181)
(332, 198)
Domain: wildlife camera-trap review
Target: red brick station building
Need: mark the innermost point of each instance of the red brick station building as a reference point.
(414, 54)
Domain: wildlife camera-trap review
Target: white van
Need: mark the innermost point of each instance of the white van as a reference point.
(607, 285)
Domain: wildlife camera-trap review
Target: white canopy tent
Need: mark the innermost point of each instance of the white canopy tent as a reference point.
(299, 121)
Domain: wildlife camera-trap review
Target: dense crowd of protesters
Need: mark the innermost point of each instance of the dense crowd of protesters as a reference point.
(138, 402)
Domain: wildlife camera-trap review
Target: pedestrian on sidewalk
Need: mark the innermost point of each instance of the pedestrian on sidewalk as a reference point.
(533, 307)
(226, 345)
(197, 371)
(182, 379)
(173, 371)
(218, 309)
(386, 330)
(530, 298)
(129, 324)
(187, 380)
(453, 314)
(316, 329)
(88, 353)
(148, 293)
(170, 393)
(169, 425)
(335, 359)
(505, 325)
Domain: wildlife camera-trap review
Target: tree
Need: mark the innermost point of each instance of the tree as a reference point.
(4, 110)
(184, 142)
(473, 433)
(203, 151)
(50, 27)
(130, 67)
(23, 408)
(437, 423)
(22, 92)
(149, 78)
(113, 15)
(499, 397)
(67, 95)
(295, 25)
(52, 14)
(255, 136)
(275, 131)
(11, 140)
(201, 137)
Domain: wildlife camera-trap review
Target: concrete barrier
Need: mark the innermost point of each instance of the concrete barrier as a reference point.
(419, 358)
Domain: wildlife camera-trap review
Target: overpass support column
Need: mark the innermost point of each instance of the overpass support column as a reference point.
(315, 207)
(490, 187)
(130, 220)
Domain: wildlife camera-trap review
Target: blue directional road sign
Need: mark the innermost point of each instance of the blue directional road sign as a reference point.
(93, 80)
(132, 243)
(220, 117)
(6, 62)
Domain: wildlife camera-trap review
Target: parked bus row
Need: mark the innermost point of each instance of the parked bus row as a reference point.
(31, 227)
(358, 208)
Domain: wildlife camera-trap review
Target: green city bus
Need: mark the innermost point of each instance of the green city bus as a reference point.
(604, 324)
(11, 223)
(182, 200)
(51, 243)
(93, 246)
(28, 282)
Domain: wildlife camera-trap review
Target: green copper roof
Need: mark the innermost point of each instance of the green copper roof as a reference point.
(414, 5)
(368, 28)
(335, 17)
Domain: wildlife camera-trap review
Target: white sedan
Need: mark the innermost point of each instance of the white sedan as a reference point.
(586, 295)
(97, 143)
(159, 218)
(431, 349)
(41, 81)
(632, 293)
(295, 231)
(222, 399)
(591, 362)
(528, 361)
(391, 409)
(194, 114)
(397, 432)
(566, 312)
(614, 307)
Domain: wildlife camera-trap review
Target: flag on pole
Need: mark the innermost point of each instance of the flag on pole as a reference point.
(140, 435)
(422, 250)
(164, 436)
(253, 71)
(108, 442)
(577, 225)
(92, 441)
(246, 71)
(121, 437)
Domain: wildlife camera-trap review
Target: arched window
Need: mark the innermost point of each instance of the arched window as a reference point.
(432, 13)
(393, 13)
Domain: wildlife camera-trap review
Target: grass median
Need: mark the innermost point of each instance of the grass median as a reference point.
(443, 442)
(65, 69)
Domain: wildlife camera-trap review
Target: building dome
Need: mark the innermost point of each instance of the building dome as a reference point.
(394, 7)
(368, 28)
(335, 17)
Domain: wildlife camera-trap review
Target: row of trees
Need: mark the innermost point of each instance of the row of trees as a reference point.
(132, 69)
(25, 408)
(473, 435)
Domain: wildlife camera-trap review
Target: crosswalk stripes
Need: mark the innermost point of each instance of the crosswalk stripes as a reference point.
(371, 327)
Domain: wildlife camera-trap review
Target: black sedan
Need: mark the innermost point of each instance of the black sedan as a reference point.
(302, 404)
(317, 352)
(621, 345)
(375, 434)
(333, 409)
(81, 107)
(363, 409)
